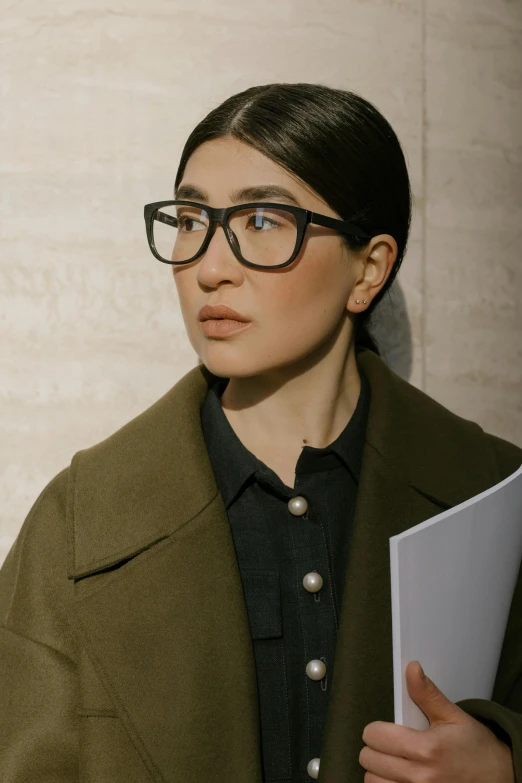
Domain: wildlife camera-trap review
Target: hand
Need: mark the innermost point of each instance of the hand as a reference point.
(455, 749)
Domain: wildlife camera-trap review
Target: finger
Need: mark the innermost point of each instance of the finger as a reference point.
(388, 767)
(395, 740)
(431, 700)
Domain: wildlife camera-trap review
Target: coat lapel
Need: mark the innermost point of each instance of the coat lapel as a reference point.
(169, 637)
(418, 460)
(162, 614)
(362, 684)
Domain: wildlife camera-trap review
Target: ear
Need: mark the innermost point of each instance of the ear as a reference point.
(377, 263)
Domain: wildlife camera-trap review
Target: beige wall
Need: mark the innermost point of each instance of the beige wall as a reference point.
(97, 101)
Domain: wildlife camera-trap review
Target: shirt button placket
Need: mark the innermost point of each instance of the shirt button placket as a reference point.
(313, 582)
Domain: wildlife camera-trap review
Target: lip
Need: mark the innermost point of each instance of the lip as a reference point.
(221, 311)
(223, 327)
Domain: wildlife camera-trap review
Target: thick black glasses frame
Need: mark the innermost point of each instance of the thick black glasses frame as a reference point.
(303, 218)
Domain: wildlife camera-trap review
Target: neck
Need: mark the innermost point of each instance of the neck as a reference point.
(307, 404)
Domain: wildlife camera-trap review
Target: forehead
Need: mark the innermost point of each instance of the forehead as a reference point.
(222, 166)
(231, 157)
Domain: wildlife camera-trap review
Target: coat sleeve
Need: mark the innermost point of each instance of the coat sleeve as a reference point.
(503, 714)
(38, 677)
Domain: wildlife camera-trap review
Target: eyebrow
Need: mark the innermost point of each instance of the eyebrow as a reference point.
(253, 193)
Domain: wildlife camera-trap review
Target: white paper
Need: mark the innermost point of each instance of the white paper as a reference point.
(452, 582)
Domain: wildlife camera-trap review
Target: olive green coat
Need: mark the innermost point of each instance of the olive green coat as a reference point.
(125, 652)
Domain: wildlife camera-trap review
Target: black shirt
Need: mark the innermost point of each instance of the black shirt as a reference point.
(275, 549)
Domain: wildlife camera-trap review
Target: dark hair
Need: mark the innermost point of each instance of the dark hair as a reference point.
(335, 141)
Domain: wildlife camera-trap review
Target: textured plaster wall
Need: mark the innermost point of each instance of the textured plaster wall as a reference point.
(97, 101)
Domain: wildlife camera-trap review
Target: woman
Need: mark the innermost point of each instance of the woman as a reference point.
(204, 596)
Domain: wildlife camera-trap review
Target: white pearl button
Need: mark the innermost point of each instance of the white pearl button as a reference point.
(313, 768)
(315, 669)
(312, 582)
(297, 506)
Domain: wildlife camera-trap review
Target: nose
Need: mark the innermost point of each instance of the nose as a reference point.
(222, 242)
(218, 261)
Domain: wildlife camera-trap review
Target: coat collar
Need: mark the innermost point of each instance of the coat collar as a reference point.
(164, 621)
(139, 475)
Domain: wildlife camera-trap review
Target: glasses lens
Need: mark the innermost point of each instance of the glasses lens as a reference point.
(265, 236)
(178, 231)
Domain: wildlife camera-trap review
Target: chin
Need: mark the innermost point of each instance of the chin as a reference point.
(239, 366)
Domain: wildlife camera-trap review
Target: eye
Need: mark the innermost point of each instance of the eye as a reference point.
(188, 224)
(259, 219)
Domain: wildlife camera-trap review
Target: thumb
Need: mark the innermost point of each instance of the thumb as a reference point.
(434, 704)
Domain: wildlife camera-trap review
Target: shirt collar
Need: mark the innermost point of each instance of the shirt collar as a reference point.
(233, 464)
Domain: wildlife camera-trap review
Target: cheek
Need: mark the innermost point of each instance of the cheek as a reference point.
(318, 287)
(187, 291)
(186, 287)
(304, 308)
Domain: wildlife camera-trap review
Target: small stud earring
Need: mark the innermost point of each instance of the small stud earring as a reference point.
(364, 301)
(357, 301)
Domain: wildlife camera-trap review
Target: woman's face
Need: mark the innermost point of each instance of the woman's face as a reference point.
(293, 311)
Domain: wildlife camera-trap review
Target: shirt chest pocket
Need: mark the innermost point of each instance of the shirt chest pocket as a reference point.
(263, 601)
(262, 592)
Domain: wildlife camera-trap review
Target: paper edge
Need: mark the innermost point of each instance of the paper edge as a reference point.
(396, 633)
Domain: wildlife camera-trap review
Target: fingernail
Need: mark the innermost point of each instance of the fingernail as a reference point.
(422, 672)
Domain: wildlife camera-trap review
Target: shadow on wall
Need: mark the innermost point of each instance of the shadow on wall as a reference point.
(391, 330)
(390, 327)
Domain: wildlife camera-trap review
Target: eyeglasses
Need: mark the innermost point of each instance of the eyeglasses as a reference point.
(260, 234)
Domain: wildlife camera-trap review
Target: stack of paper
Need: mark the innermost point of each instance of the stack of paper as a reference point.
(452, 582)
